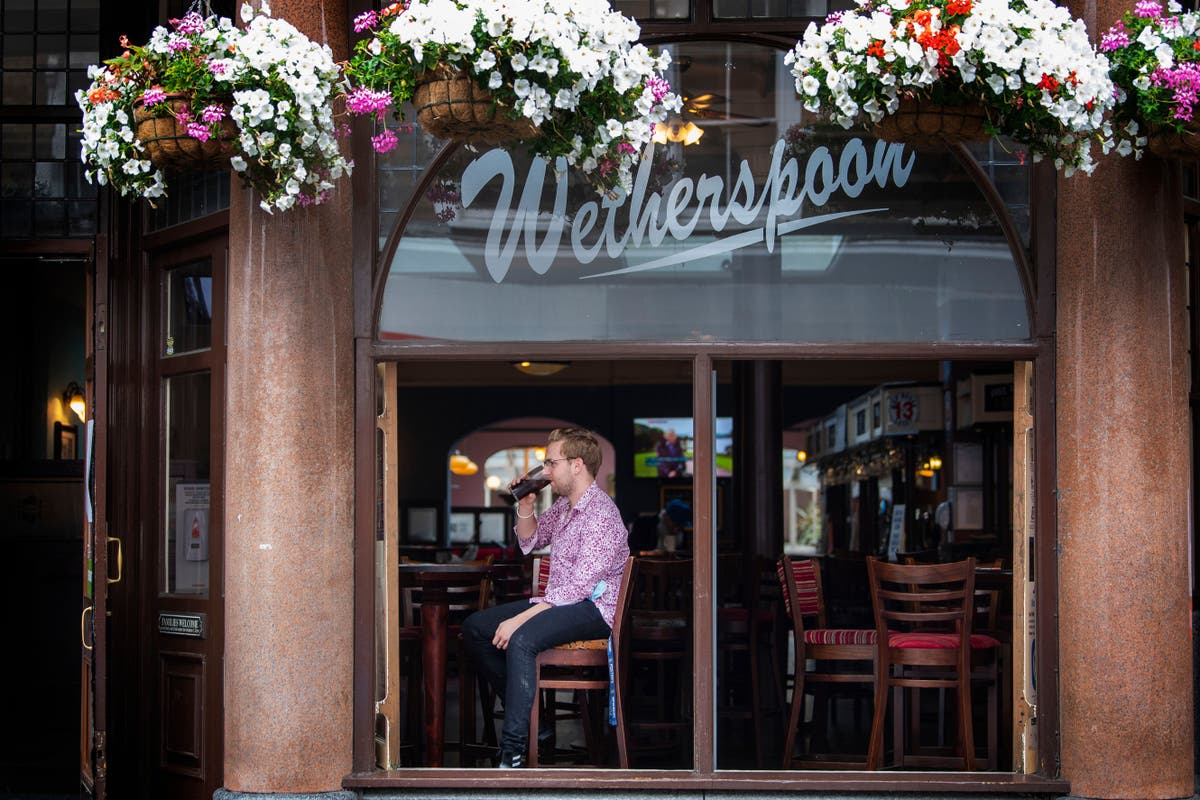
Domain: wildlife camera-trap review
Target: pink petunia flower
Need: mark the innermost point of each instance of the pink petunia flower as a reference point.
(213, 113)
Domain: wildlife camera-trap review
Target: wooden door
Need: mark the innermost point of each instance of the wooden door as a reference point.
(183, 589)
(93, 767)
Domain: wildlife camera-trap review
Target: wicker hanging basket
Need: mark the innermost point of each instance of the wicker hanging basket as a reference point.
(923, 123)
(170, 148)
(450, 105)
(1166, 143)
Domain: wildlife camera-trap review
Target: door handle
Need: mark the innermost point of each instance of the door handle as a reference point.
(83, 628)
(120, 558)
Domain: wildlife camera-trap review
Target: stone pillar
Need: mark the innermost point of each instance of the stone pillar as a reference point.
(289, 473)
(1124, 468)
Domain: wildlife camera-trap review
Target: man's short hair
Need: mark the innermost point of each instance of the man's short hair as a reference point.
(579, 443)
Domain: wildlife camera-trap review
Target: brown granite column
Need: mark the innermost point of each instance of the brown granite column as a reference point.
(1124, 471)
(289, 469)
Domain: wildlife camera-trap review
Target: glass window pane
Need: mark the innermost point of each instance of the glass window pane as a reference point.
(85, 15)
(51, 88)
(638, 9)
(49, 218)
(189, 308)
(52, 51)
(187, 460)
(17, 220)
(52, 15)
(672, 9)
(18, 52)
(48, 179)
(51, 141)
(18, 88)
(16, 141)
(16, 179)
(85, 51)
(18, 15)
(768, 227)
(81, 217)
(727, 9)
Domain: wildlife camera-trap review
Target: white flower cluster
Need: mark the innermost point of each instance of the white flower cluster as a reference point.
(1005, 54)
(289, 133)
(278, 85)
(531, 45)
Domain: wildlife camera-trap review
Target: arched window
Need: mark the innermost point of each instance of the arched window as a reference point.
(751, 222)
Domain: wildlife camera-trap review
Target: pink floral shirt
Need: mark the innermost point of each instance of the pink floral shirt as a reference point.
(588, 544)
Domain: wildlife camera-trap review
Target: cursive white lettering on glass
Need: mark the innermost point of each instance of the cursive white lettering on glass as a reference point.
(644, 216)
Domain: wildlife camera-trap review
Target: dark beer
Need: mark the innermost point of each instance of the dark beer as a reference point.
(531, 483)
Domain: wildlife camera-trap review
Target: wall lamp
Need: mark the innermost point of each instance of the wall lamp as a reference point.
(73, 397)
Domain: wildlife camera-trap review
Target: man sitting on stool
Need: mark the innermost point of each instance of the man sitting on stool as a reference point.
(588, 549)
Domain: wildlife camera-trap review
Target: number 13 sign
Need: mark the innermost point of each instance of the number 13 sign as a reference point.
(903, 411)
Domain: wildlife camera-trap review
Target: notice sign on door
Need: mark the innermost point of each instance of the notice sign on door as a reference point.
(191, 537)
(189, 625)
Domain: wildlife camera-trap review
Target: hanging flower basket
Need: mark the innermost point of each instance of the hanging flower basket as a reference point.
(1155, 58)
(170, 147)
(567, 77)
(924, 123)
(205, 93)
(450, 105)
(1170, 143)
(1018, 68)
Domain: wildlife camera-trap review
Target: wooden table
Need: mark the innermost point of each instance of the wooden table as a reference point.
(434, 581)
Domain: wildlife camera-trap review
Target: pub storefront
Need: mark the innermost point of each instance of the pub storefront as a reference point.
(801, 347)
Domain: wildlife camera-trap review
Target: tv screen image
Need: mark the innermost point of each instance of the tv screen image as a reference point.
(663, 447)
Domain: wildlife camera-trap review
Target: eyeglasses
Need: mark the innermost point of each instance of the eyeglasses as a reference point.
(550, 462)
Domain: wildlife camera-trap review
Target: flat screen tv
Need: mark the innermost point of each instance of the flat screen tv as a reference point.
(663, 447)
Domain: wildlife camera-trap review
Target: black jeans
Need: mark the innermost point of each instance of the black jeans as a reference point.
(511, 672)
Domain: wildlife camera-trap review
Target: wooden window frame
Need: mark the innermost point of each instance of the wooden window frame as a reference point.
(1036, 267)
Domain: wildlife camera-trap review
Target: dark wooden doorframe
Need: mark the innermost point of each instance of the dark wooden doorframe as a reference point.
(181, 676)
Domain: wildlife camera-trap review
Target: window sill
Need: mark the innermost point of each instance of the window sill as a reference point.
(679, 780)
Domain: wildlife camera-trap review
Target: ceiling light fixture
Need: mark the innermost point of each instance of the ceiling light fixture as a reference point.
(540, 368)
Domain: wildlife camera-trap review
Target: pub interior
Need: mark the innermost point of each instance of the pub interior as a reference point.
(825, 463)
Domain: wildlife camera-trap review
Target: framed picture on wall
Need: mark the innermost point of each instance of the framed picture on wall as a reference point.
(422, 524)
(65, 441)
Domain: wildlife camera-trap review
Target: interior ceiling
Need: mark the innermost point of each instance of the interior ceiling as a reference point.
(634, 372)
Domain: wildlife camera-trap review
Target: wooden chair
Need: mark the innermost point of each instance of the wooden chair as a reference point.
(659, 662)
(746, 621)
(828, 648)
(923, 619)
(581, 666)
(987, 666)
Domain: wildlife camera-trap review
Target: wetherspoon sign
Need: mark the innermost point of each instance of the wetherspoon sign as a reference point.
(759, 213)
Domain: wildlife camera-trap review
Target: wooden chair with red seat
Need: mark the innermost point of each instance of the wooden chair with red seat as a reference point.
(829, 649)
(988, 663)
(581, 666)
(923, 620)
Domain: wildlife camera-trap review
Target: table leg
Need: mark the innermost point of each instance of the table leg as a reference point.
(433, 644)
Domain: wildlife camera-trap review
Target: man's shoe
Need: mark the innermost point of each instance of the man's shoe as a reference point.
(512, 760)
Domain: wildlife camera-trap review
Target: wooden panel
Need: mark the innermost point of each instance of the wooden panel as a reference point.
(181, 684)
(1024, 731)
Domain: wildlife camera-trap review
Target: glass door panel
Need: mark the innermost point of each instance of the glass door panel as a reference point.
(185, 566)
(189, 308)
